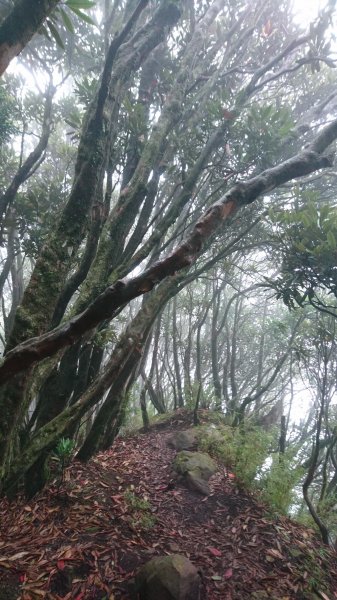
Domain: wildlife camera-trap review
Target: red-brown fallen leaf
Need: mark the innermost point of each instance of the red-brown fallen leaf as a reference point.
(228, 573)
(214, 551)
(117, 498)
(60, 565)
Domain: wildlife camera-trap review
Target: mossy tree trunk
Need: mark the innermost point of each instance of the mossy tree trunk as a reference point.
(120, 249)
(116, 375)
(47, 281)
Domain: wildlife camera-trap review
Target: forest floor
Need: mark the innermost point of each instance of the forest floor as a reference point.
(87, 539)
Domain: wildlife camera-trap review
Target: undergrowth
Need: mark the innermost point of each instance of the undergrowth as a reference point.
(249, 452)
(140, 509)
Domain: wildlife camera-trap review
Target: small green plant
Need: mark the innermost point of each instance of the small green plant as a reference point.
(278, 484)
(136, 502)
(145, 521)
(140, 508)
(243, 449)
(63, 453)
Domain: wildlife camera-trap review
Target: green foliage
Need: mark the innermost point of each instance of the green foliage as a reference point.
(64, 449)
(140, 508)
(85, 89)
(326, 510)
(191, 395)
(135, 502)
(62, 16)
(243, 449)
(278, 484)
(63, 453)
(264, 129)
(7, 113)
(309, 251)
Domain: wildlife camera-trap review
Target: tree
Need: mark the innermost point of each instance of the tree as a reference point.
(308, 249)
(163, 188)
(26, 18)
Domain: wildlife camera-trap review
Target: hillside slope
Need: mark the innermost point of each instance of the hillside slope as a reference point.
(86, 540)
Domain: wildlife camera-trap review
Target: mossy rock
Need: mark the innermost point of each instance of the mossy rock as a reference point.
(168, 578)
(196, 462)
(197, 483)
(183, 440)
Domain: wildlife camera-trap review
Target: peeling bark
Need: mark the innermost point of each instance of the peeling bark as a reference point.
(35, 313)
(244, 193)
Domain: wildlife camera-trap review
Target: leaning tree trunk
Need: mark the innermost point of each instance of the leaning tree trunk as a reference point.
(20, 25)
(37, 308)
(117, 371)
(311, 158)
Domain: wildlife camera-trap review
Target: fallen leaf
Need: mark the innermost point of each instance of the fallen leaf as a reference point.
(275, 553)
(323, 595)
(14, 557)
(214, 551)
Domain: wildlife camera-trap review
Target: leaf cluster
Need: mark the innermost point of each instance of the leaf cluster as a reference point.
(62, 14)
(307, 240)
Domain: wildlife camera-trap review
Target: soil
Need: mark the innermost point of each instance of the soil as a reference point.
(87, 539)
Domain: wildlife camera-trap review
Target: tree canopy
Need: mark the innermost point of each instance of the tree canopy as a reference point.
(167, 180)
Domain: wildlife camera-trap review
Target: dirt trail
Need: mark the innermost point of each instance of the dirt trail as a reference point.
(125, 507)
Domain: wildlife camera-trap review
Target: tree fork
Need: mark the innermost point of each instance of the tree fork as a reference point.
(243, 193)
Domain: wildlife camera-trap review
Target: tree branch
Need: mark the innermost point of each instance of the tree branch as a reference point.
(103, 307)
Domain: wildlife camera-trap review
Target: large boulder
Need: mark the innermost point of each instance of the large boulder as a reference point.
(183, 440)
(168, 578)
(196, 468)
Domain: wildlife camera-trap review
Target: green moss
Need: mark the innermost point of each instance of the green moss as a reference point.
(140, 511)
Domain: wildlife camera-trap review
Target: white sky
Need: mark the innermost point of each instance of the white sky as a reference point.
(306, 10)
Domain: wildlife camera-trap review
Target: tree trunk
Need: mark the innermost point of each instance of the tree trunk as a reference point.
(20, 25)
(38, 305)
(180, 398)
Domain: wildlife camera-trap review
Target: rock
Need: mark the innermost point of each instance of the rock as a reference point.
(194, 461)
(196, 469)
(183, 440)
(197, 483)
(168, 578)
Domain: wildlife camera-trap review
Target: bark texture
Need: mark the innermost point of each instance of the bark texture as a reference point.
(19, 27)
(244, 193)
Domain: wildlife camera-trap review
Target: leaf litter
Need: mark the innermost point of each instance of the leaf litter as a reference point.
(88, 539)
